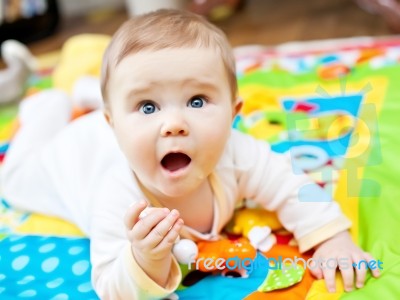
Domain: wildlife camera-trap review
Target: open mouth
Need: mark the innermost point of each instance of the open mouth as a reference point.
(175, 161)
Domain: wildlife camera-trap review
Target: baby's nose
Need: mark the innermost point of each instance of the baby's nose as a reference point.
(174, 125)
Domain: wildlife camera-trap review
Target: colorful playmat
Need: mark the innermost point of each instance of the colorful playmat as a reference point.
(333, 106)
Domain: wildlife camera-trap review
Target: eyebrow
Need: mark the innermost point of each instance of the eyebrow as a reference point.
(141, 89)
(204, 84)
(200, 83)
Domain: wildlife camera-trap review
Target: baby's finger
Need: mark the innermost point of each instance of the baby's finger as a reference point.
(146, 224)
(169, 240)
(372, 262)
(315, 270)
(361, 271)
(348, 276)
(159, 232)
(132, 214)
(329, 276)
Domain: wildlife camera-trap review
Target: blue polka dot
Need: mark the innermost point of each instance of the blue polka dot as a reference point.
(80, 267)
(49, 264)
(20, 262)
(17, 247)
(2, 276)
(14, 238)
(27, 293)
(2, 289)
(55, 283)
(75, 250)
(85, 287)
(60, 297)
(26, 279)
(47, 248)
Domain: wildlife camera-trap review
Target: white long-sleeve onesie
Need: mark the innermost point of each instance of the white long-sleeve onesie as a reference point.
(77, 172)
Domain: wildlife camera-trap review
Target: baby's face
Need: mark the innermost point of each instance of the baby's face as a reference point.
(171, 111)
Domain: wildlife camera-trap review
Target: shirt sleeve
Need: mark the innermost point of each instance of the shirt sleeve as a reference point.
(115, 273)
(301, 205)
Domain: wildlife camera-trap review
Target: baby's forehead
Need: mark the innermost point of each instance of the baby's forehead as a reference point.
(147, 52)
(169, 72)
(171, 60)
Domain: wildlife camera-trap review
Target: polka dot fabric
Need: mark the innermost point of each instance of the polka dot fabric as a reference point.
(282, 278)
(34, 267)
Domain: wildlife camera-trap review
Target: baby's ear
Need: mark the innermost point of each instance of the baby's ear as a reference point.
(237, 106)
(108, 117)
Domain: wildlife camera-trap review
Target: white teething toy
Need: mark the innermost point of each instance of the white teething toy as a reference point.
(185, 251)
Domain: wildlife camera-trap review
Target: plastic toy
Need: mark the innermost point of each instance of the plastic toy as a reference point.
(81, 56)
(20, 63)
(245, 219)
(215, 251)
(185, 250)
(262, 238)
(253, 224)
(257, 225)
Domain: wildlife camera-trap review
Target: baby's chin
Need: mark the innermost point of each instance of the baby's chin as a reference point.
(179, 190)
(183, 187)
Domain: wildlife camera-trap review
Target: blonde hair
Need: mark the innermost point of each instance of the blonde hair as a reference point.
(166, 29)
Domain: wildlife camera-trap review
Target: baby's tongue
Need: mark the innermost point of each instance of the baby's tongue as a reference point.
(175, 161)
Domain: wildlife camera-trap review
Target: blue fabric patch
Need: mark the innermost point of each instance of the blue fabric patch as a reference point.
(222, 288)
(33, 267)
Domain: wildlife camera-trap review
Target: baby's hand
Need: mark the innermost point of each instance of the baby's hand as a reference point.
(342, 252)
(152, 237)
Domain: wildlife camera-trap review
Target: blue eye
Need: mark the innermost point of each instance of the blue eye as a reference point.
(148, 108)
(196, 102)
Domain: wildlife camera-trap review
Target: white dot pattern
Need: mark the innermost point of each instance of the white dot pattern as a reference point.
(34, 267)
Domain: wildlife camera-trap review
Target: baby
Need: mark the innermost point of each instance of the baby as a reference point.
(164, 140)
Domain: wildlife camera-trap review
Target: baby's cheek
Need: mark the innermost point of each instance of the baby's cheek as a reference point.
(138, 160)
(212, 155)
(217, 140)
